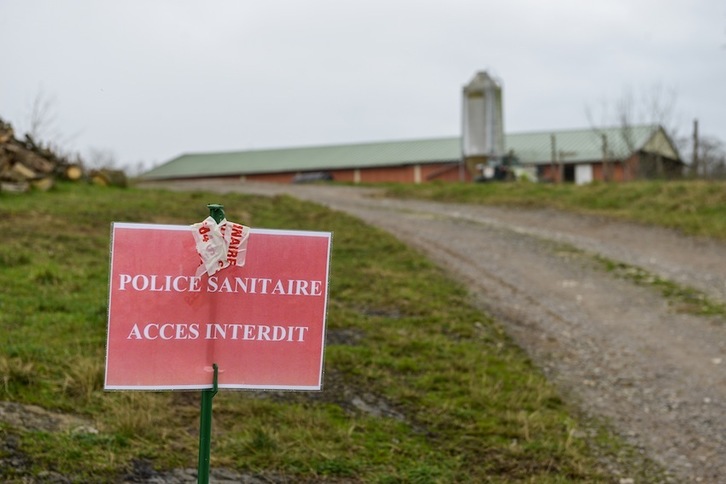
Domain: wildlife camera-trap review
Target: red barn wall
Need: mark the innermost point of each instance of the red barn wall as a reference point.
(393, 174)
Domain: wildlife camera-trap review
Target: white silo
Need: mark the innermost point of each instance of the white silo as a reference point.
(482, 121)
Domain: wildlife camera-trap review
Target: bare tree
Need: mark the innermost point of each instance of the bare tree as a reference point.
(654, 105)
(99, 158)
(42, 117)
(711, 155)
(42, 130)
(659, 107)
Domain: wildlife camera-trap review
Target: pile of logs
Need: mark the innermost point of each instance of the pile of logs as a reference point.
(27, 163)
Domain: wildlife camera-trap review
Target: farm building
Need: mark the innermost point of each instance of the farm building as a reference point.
(579, 156)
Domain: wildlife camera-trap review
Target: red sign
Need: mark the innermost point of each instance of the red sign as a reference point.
(263, 324)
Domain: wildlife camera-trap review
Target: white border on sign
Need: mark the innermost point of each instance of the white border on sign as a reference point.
(170, 227)
(144, 226)
(210, 386)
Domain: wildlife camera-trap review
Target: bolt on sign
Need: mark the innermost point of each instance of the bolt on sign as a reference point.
(170, 319)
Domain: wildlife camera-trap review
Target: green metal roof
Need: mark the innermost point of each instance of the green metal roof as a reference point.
(531, 148)
(580, 145)
(312, 158)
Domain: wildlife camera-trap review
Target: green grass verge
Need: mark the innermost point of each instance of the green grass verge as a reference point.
(692, 206)
(460, 402)
(681, 298)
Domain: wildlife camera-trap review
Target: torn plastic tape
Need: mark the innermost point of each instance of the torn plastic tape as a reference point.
(220, 245)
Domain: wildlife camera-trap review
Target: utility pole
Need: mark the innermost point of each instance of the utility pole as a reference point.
(695, 160)
(605, 163)
(553, 146)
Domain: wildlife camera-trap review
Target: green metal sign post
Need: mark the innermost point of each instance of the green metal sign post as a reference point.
(205, 431)
(205, 419)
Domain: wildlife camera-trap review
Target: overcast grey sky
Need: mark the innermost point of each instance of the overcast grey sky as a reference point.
(149, 80)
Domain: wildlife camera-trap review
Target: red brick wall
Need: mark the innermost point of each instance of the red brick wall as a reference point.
(449, 172)
(549, 173)
(346, 176)
(394, 174)
(616, 169)
(270, 177)
(619, 171)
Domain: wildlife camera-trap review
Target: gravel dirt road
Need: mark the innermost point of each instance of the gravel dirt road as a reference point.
(619, 350)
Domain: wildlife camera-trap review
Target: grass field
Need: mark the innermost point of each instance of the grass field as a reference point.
(446, 395)
(694, 207)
